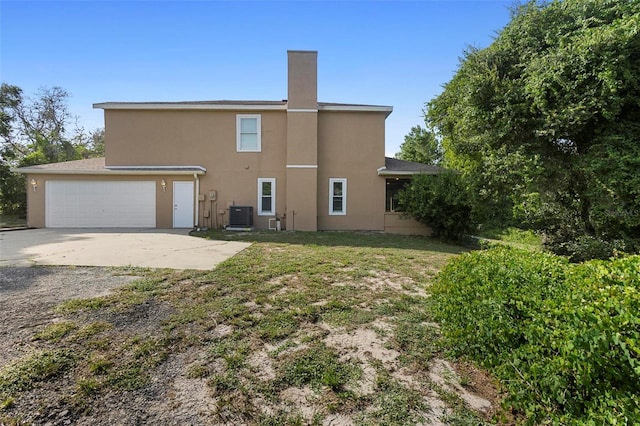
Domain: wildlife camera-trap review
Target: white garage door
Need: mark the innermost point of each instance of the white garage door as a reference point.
(100, 204)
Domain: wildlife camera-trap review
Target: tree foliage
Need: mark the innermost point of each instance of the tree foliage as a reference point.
(546, 122)
(421, 146)
(12, 194)
(440, 202)
(36, 131)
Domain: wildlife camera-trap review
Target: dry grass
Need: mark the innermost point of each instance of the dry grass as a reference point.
(297, 329)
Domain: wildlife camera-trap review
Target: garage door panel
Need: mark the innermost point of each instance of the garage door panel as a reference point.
(101, 204)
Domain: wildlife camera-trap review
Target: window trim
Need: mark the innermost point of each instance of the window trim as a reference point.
(344, 197)
(258, 118)
(273, 210)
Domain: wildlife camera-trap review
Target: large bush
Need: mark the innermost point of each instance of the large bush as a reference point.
(439, 201)
(564, 339)
(486, 300)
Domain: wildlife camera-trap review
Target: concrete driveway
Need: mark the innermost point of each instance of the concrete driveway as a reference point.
(152, 248)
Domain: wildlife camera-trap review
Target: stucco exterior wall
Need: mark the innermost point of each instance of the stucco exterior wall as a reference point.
(351, 146)
(303, 79)
(394, 223)
(302, 138)
(191, 137)
(207, 139)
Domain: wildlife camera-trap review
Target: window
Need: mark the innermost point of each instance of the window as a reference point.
(337, 196)
(248, 132)
(266, 197)
(394, 186)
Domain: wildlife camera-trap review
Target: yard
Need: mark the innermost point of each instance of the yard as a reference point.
(326, 328)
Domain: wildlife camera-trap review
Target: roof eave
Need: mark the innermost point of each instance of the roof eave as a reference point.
(160, 168)
(357, 108)
(185, 106)
(384, 172)
(387, 110)
(137, 172)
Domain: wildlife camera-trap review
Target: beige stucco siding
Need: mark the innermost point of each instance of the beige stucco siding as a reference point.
(204, 138)
(303, 79)
(302, 210)
(351, 146)
(302, 138)
(207, 139)
(396, 223)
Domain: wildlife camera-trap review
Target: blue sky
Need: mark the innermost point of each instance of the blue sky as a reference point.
(397, 53)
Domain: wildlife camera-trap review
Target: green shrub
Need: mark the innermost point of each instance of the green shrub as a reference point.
(563, 338)
(439, 201)
(485, 299)
(583, 355)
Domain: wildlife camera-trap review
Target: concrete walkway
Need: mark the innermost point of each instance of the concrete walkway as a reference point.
(151, 248)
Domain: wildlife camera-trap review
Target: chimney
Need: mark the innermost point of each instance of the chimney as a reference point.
(303, 79)
(302, 142)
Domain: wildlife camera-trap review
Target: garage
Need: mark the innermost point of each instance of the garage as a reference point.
(100, 204)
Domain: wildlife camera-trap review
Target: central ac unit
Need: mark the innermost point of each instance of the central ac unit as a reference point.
(241, 216)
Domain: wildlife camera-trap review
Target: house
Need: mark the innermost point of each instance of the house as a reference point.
(297, 163)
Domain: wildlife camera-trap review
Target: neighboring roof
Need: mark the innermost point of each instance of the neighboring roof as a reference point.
(395, 167)
(96, 166)
(238, 105)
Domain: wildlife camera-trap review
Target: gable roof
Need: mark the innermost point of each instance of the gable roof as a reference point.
(96, 166)
(238, 105)
(396, 167)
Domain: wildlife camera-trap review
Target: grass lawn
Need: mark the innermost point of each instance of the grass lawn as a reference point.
(299, 328)
(515, 237)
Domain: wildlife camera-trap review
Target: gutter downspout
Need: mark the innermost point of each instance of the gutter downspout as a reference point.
(197, 203)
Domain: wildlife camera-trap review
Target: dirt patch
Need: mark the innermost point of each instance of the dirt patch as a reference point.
(363, 344)
(383, 281)
(188, 399)
(207, 375)
(478, 382)
(171, 391)
(337, 420)
(301, 399)
(262, 365)
(368, 347)
(443, 374)
(28, 295)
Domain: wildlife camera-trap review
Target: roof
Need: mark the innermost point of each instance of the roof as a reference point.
(396, 167)
(238, 105)
(96, 166)
(157, 105)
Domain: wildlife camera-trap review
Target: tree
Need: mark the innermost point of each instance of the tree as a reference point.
(439, 201)
(421, 146)
(35, 131)
(557, 96)
(12, 192)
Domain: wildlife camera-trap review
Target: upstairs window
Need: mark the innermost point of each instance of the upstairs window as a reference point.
(248, 132)
(337, 197)
(266, 197)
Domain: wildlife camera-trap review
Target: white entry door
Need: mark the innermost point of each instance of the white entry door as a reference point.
(183, 204)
